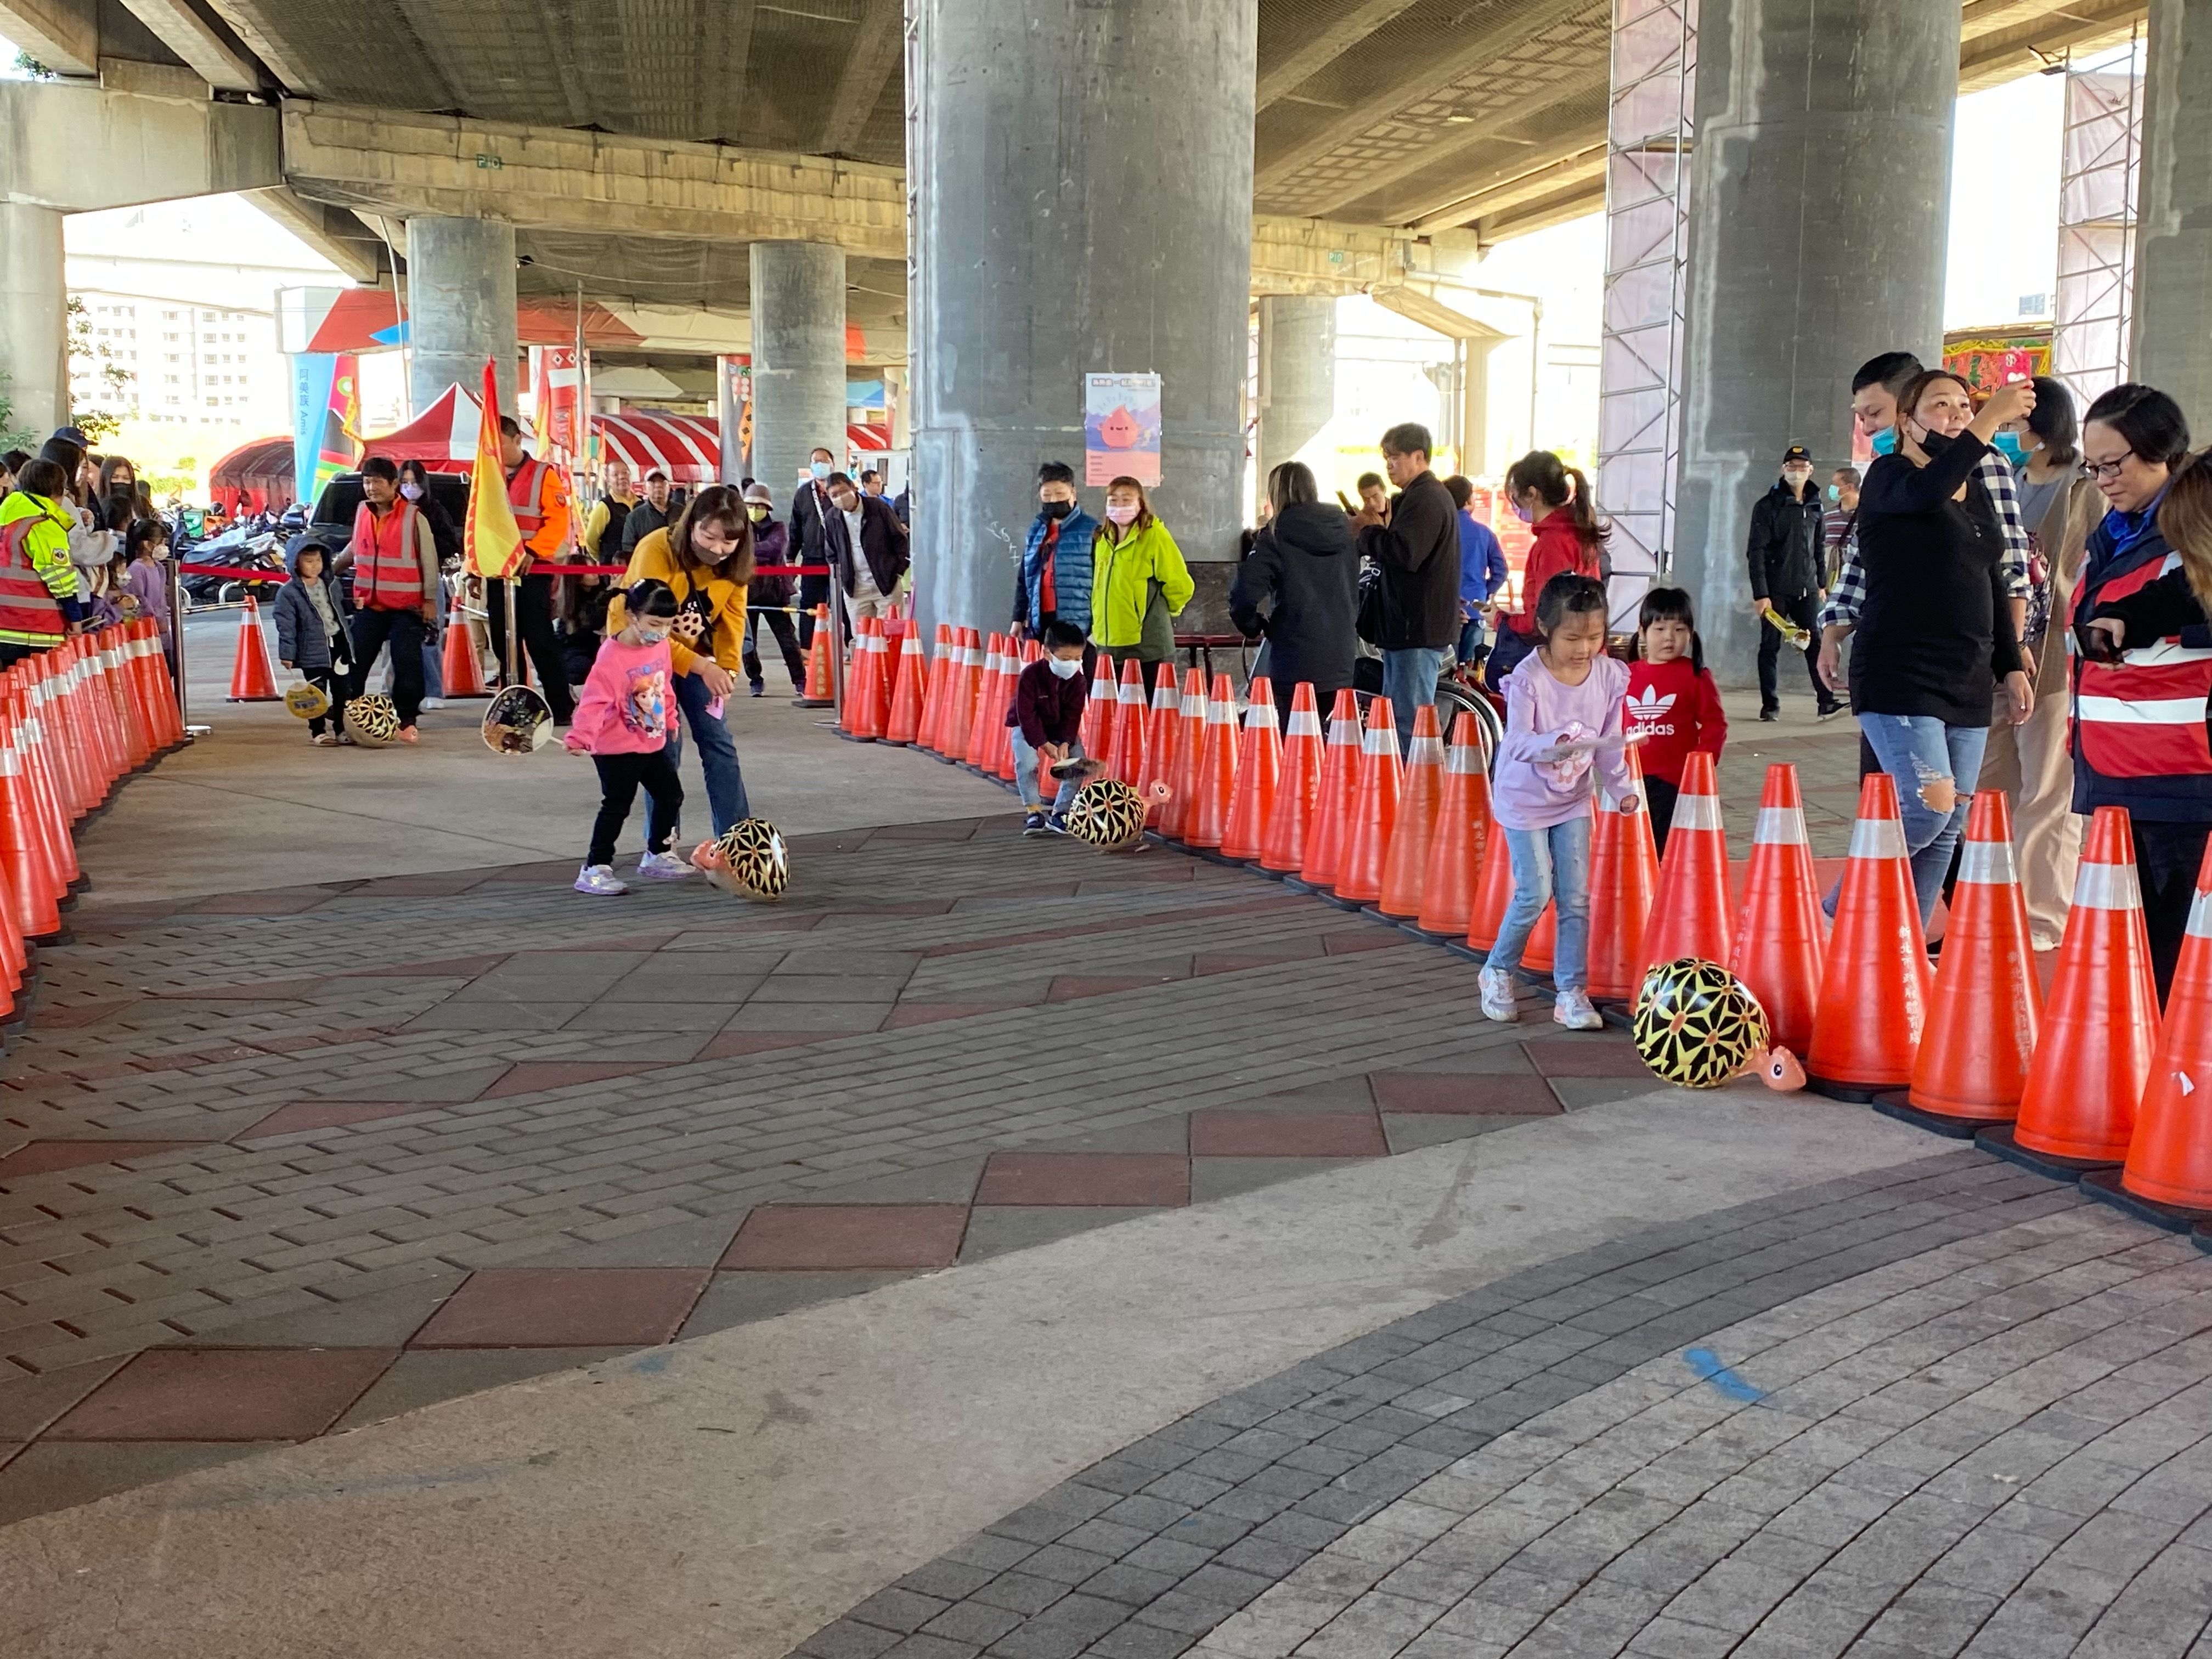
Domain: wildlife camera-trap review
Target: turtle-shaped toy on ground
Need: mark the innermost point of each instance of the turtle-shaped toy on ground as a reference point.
(1698, 1026)
(1110, 815)
(749, 859)
(372, 722)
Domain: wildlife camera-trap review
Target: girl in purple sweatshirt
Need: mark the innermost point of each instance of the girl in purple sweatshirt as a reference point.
(1562, 725)
(624, 719)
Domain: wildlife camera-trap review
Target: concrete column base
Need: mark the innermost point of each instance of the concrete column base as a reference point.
(460, 308)
(34, 320)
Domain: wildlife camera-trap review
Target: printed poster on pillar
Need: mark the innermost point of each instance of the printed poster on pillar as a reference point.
(1122, 428)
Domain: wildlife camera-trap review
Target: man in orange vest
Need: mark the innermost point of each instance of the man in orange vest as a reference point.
(395, 587)
(539, 495)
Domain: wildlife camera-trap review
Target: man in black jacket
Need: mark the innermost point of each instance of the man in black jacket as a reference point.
(1417, 552)
(1784, 555)
(809, 517)
(653, 512)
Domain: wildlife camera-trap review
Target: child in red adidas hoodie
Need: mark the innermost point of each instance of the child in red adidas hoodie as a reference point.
(1672, 704)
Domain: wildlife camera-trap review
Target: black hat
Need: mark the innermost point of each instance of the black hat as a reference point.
(1796, 453)
(70, 434)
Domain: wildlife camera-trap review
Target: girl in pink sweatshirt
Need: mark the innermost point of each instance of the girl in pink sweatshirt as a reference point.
(624, 718)
(1562, 725)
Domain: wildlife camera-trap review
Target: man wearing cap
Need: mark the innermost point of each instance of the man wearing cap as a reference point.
(1785, 556)
(769, 598)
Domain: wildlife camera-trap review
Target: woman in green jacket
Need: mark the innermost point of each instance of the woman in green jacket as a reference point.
(1138, 582)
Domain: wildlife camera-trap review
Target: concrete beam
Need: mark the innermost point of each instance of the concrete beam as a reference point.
(392, 162)
(63, 35)
(1324, 46)
(1577, 159)
(879, 42)
(1575, 200)
(2008, 46)
(1318, 256)
(322, 230)
(79, 148)
(206, 46)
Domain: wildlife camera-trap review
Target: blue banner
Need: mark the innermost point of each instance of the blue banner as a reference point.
(313, 374)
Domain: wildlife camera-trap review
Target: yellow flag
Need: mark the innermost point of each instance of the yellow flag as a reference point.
(490, 540)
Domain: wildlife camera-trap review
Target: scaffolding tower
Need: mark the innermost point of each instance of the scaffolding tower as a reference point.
(1651, 124)
(2099, 184)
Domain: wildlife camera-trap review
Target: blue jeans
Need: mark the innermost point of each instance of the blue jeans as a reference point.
(1473, 637)
(1025, 776)
(1917, 750)
(1409, 680)
(1550, 866)
(717, 759)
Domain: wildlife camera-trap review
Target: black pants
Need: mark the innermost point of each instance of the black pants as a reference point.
(812, 590)
(533, 616)
(619, 778)
(336, 683)
(2167, 857)
(1805, 611)
(780, 625)
(403, 630)
(1659, 797)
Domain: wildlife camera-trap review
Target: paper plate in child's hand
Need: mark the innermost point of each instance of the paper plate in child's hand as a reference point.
(518, 722)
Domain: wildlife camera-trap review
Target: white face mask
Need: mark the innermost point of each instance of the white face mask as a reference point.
(413, 492)
(1122, 512)
(1064, 668)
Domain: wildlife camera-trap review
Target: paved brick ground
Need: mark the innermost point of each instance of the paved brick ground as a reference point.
(1947, 1409)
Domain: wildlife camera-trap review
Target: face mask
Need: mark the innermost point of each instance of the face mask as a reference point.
(1122, 515)
(1933, 443)
(1524, 515)
(1058, 509)
(413, 492)
(655, 634)
(819, 469)
(1796, 480)
(1835, 492)
(1064, 668)
(119, 488)
(1885, 442)
(757, 512)
(2008, 444)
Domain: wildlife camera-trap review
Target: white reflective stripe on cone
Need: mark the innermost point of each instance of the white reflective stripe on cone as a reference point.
(1988, 861)
(11, 763)
(1378, 737)
(1345, 732)
(1427, 751)
(1779, 826)
(2200, 914)
(1194, 706)
(1260, 716)
(1304, 723)
(1221, 714)
(1697, 813)
(1877, 838)
(2106, 887)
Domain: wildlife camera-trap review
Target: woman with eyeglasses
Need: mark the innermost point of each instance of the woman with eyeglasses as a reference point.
(2140, 737)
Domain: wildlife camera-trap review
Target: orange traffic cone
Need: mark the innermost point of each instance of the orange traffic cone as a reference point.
(35, 888)
(49, 815)
(2100, 1024)
(2170, 1155)
(820, 686)
(1125, 760)
(59, 760)
(1873, 975)
(1189, 743)
(252, 677)
(1217, 768)
(1690, 913)
(1160, 723)
(967, 687)
(1406, 864)
(1493, 892)
(161, 691)
(992, 695)
(1375, 814)
(1981, 1017)
(1259, 776)
(128, 687)
(904, 724)
(1283, 844)
(869, 695)
(1330, 829)
(1624, 877)
(941, 659)
(1001, 736)
(1100, 709)
(1780, 932)
(1462, 831)
(459, 671)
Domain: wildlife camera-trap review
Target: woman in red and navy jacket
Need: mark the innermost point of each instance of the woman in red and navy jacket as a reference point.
(2141, 738)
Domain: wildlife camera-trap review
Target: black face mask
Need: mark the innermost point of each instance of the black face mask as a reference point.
(123, 490)
(1933, 443)
(1058, 509)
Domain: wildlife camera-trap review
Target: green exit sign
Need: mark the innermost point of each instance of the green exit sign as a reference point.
(489, 161)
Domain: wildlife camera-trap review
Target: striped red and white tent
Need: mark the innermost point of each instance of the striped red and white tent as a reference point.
(686, 448)
(443, 437)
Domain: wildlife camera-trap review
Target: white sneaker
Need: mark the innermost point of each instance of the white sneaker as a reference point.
(1498, 1002)
(433, 702)
(1572, 1010)
(600, 880)
(662, 866)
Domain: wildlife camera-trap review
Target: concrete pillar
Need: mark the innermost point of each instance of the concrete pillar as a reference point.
(2173, 227)
(1082, 172)
(1297, 377)
(1820, 199)
(798, 358)
(460, 308)
(34, 319)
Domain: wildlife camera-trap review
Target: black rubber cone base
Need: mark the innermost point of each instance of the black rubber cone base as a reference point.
(2201, 1238)
(1898, 1104)
(2103, 1186)
(2002, 1141)
(1858, 1094)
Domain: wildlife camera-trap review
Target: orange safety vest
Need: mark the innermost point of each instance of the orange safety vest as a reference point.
(524, 493)
(388, 572)
(29, 613)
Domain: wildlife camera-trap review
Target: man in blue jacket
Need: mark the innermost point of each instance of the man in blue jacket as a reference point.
(1482, 573)
(1056, 573)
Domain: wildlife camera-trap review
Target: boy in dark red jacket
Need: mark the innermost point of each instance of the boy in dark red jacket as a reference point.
(1047, 716)
(1674, 707)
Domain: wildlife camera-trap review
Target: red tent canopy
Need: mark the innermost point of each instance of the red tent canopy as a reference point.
(686, 448)
(443, 437)
(255, 476)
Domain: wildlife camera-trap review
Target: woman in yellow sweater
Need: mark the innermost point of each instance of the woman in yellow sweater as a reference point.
(707, 557)
(1138, 582)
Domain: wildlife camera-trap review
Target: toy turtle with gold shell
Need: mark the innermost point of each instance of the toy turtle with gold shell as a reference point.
(749, 859)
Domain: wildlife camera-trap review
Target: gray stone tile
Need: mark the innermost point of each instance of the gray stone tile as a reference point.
(742, 1298)
(997, 1229)
(424, 1378)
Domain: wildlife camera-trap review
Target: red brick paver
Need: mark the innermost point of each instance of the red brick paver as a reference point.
(1078, 1178)
(848, 1236)
(225, 1394)
(564, 1308)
